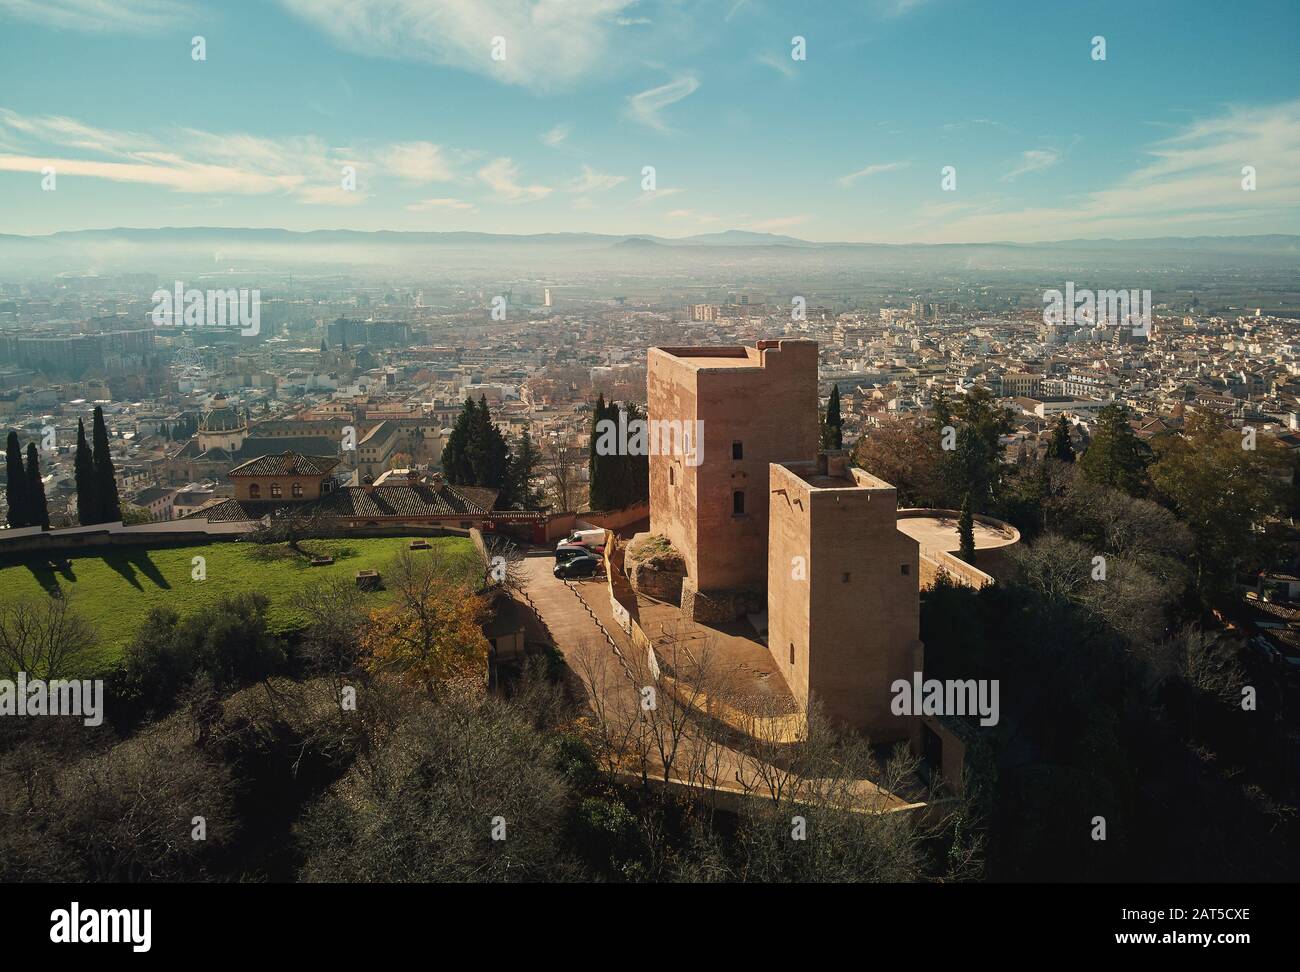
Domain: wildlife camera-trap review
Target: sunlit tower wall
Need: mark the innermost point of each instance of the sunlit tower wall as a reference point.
(757, 405)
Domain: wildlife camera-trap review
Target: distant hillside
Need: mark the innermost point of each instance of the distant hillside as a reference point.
(203, 250)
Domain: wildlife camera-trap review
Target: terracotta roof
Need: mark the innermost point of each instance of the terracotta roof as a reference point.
(356, 502)
(286, 464)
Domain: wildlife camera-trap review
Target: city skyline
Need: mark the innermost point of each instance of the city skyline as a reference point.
(849, 144)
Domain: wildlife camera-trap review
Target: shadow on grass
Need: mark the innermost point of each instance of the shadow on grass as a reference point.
(130, 560)
(47, 574)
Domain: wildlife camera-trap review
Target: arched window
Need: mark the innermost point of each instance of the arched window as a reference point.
(276, 491)
(738, 503)
(297, 490)
(672, 476)
(254, 491)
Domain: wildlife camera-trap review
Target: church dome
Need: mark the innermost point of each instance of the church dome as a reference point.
(221, 417)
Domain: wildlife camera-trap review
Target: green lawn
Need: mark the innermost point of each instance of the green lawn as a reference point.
(115, 587)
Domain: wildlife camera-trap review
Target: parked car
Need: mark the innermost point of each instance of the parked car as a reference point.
(567, 551)
(584, 566)
(590, 544)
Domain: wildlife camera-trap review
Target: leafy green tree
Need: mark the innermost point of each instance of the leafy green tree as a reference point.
(38, 510)
(108, 505)
(1223, 492)
(84, 473)
(16, 484)
(1061, 448)
(974, 467)
(1116, 457)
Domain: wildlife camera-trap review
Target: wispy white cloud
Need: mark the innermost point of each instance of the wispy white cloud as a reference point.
(593, 181)
(502, 177)
(781, 64)
(556, 136)
(193, 160)
(458, 205)
(647, 106)
(642, 198)
(847, 180)
(101, 16)
(890, 9)
(693, 216)
(1190, 181)
(1033, 160)
(548, 43)
(417, 162)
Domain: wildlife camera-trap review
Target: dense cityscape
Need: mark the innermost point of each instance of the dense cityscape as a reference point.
(635, 442)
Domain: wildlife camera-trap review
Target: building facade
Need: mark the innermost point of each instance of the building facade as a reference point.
(752, 406)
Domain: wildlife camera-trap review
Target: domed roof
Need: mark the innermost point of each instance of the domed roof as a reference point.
(221, 417)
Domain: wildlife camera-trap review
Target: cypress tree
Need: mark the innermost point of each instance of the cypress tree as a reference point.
(598, 468)
(109, 506)
(16, 484)
(38, 509)
(84, 472)
(966, 532)
(1061, 447)
(1116, 457)
(489, 456)
(638, 466)
(523, 470)
(455, 457)
(832, 426)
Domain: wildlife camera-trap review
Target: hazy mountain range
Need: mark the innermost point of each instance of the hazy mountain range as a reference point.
(169, 250)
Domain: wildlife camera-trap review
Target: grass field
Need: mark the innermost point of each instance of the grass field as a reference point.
(114, 588)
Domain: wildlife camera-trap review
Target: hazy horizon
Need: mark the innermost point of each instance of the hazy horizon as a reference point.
(890, 121)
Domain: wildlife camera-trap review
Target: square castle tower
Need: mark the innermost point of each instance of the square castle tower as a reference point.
(762, 518)
(753, 407)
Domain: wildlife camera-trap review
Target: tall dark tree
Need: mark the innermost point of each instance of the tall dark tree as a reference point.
(974, 466)
(524, 473)
(598, 465)
(832, 424)
(84, 472)
(107, 502)
(455, 454)
(1061, 448)
(489, 455)
(38, 510)
(637, 478)
(19, 514)
(966, 532)
(1116, 457)
(942, 410)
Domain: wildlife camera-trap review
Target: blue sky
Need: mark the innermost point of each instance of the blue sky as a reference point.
(849, 144)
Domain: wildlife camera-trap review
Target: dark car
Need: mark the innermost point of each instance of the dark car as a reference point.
(578, 567)
(567, 551)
